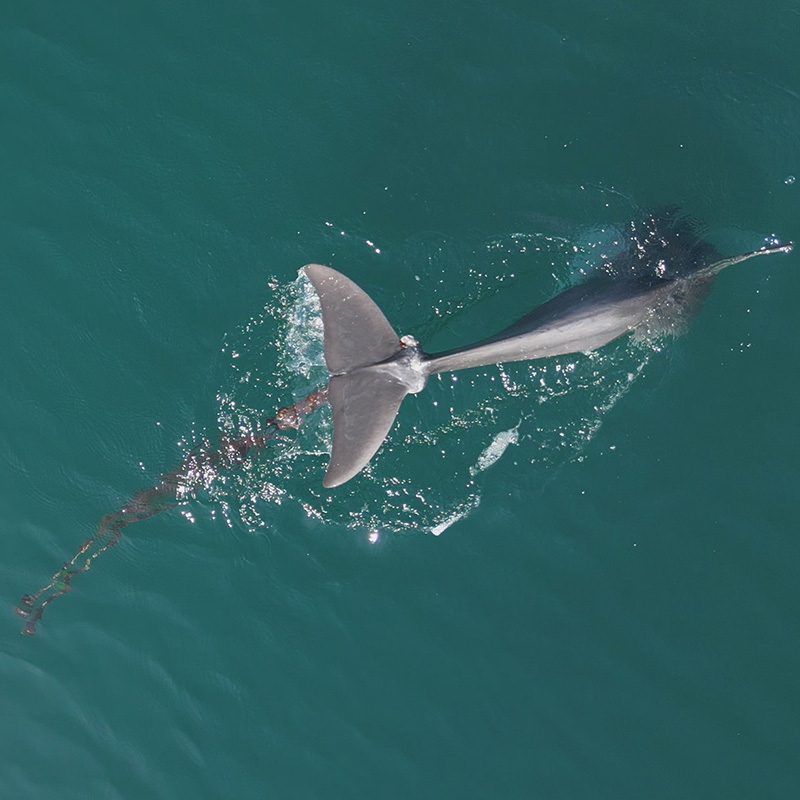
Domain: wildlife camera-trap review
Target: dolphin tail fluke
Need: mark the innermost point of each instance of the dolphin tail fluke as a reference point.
(356, 332)
(364, 401)
(364, 405)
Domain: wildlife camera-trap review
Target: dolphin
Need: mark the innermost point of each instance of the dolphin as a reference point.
(652, 287)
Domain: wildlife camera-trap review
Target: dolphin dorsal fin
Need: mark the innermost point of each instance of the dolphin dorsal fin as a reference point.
(356, 331)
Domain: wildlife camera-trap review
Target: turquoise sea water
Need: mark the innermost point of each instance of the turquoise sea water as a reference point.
(610, 609)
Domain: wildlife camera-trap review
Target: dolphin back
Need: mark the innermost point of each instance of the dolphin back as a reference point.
(657, 283)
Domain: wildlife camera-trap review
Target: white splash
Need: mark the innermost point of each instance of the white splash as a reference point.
(493, 453)
(441, 527)
(428, 475)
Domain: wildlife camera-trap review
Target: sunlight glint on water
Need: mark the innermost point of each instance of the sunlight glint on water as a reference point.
(451, 432)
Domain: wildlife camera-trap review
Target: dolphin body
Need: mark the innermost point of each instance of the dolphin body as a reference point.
(652, 287)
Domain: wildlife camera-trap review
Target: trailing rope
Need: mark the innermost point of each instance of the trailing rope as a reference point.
(164, 495)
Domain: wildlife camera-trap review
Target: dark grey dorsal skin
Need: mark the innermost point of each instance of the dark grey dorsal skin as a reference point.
(652, 287)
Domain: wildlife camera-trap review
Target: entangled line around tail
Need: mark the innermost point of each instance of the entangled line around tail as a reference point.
(146, 503)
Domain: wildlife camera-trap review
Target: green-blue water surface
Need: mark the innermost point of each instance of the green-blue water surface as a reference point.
(611, 607)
